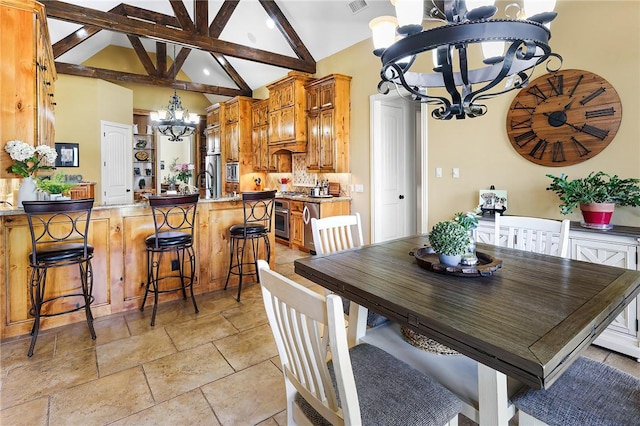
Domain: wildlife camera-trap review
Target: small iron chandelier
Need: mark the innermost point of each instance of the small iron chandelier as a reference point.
(175, 121)
(521, 44)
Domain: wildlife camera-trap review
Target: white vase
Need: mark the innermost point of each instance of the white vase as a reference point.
(27, 191)
(449, 260)
(283, 187)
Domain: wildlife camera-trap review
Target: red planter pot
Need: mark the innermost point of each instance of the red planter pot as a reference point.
(597, 214)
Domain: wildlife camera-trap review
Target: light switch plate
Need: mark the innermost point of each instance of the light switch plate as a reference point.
(456, 173)
(438, 172)
(360, 188)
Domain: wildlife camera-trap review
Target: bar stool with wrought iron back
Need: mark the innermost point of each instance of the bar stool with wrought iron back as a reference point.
(59, 232)
(258, 210)
(174, 221)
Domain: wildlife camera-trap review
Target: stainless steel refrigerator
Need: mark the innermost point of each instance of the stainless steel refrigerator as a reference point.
(212, 175)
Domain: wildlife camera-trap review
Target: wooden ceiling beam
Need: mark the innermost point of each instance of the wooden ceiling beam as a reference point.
(222, 18)
(123, 77)
(151, 16)
(83, 33)
(201, 12)
(147, 63)
(110, 21)
(178, 62)
(183, 16)
(287, 30)
(161, 59)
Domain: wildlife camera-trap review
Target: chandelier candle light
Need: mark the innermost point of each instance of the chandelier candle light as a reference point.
(512, 48)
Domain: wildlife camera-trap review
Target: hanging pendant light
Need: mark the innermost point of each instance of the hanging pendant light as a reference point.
(175, 121)
(512, 49)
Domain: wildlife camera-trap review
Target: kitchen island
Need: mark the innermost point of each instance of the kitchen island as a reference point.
(117, 234)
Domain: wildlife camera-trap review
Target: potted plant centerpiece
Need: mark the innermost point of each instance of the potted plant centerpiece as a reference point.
(54, 186)
(596, 195)
(449, 239)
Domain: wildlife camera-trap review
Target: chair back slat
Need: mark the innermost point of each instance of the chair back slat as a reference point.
(174, 213)
(52, 223)
(258, 208)
(336, 233)
(532, 234)
(302, 321)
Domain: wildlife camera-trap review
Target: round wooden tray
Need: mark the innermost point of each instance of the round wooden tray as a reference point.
(428, 260)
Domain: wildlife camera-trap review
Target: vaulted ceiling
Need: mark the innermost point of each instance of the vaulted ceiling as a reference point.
(224, 47)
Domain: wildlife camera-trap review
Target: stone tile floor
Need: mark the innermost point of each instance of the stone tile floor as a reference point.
(219, 367)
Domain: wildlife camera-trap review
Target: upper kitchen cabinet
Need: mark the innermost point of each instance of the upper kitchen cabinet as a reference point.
(27, 77)
(237, 130)
(213, 130)
(260, 137)
(287, 113)
(328, 120)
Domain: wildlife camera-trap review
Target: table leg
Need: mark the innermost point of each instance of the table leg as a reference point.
(357, 323)
(493, 398)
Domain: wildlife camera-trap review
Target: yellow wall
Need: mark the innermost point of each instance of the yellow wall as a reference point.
(601, 37)
(82, 103)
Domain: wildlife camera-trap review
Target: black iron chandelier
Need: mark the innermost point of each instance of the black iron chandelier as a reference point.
(175, 121)
(521, 44)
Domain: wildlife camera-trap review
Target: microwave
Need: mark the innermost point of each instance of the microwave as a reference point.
(232, 174)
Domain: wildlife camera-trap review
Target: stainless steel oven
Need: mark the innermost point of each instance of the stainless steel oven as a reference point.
(282, 219)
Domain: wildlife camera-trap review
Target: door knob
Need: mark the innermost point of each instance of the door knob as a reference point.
(401, 197)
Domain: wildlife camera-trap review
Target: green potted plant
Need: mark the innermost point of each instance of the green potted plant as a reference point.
(449, 239)
(54, 185)
(596, 195)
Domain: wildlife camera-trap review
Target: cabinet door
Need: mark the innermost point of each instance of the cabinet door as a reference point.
(327, 144)
(256, 149)
(313, 99)
(213, 139)
(232, 142)
(287, 94)
(232, 112)
(327, 95)
(275, 126)
(604, 253)
(287, 124)
(313, 142)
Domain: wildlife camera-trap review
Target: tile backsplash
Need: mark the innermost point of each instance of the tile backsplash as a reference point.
(301, 181)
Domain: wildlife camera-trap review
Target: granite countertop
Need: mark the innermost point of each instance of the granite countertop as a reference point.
(308, 198)
(9, 211)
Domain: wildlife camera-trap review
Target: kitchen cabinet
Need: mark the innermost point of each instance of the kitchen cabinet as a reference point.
(618, 247)
(260, 138)
(27, 78)
(328, 120)
(296, 224)
(144, 158)
(83, 190)
(236, 132)
(287, 113)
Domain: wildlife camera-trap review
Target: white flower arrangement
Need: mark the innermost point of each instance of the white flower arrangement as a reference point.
(28, 159)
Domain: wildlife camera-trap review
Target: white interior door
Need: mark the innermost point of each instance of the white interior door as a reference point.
(116, 152)
(394, 156)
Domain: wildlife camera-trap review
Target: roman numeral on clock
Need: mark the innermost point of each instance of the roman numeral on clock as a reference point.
(594, 131)
(540, 96)
(600, 112)
(557, 154)
(576, 85)
(524, 124)
(538, 150)
(524, 138)
(557, 84)
(529, 109)
(592, 96)
(579, 147)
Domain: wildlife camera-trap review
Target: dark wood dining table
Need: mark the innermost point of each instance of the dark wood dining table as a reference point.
(528, 320)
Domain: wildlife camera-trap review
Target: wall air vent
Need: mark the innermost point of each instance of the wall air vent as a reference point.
(357, 5)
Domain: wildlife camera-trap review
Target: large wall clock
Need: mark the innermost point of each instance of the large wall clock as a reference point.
(564, 118)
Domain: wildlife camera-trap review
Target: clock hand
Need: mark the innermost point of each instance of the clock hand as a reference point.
(567, 106)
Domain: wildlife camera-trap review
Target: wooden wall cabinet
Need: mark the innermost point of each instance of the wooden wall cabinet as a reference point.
(262, 161)
(237, 146)
(287, 113)
(27, 78)
(328, 120)
(618, 247)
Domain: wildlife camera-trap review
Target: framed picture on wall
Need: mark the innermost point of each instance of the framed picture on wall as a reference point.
(68, 154)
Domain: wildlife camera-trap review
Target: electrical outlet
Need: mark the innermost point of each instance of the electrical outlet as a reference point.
(175, 264)
(360, 188)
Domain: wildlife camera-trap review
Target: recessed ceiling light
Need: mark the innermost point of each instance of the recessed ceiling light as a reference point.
(252, 38)
(81, 32)
(270, 24)
(206, 71)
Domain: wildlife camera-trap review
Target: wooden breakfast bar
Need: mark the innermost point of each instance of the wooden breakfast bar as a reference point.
(117, 234)
(530, 320)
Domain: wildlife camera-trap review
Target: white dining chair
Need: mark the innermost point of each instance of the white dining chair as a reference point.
(361, 385)
(532, 234)
(338, 233)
